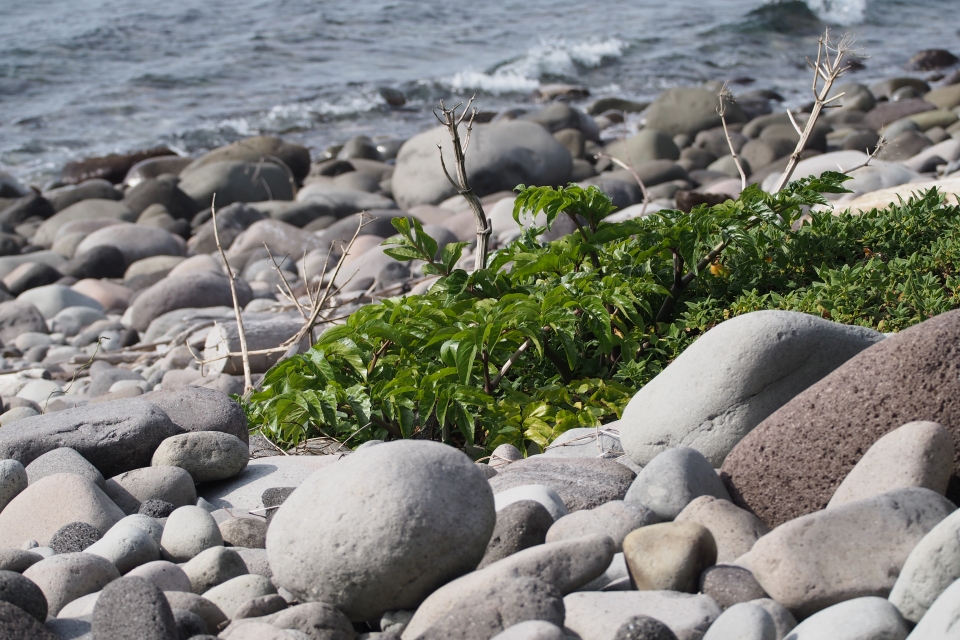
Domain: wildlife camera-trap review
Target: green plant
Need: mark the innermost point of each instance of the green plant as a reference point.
(548, 337)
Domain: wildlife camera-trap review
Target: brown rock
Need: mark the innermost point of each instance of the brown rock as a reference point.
(734, 530)
(582, 483)
(930, 59)
(792, 463)
(669, 556)
(112, 167)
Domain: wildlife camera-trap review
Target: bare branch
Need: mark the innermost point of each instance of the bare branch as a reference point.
(794, 123)
(510, 362)
(725, 95)
(247, 378)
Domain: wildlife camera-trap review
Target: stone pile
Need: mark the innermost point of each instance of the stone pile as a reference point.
(785, 477)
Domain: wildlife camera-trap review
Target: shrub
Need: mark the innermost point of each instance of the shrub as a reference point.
(558, 335)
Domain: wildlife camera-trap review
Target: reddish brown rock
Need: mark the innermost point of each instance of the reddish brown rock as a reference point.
(112, 167)
(793, 461)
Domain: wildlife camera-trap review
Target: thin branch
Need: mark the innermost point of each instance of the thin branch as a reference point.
(247, 378)
(794, 123)
(283, 278)
(510, 362)
(636, 176)
(871, 155)
(725, 95)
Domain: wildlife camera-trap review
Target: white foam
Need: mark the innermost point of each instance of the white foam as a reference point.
(843, 12)
(523, 74)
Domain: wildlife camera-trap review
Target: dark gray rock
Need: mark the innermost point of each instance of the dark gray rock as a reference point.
(519, 526)
(18, 316)
(232, 181)
(644, 628)
(729, 585)
(209, 612)
(114, 436)
(30, 275)
(20, 591)
(231, 222)
(244, 532)
(69, 628)
(426, 531)
(163, 192)
(582, 483)
(201, 409)
(133, 609)
(13, 480)
(32, 205)
(156, 508)
(104, 261)
(17, 624)
(198, 289)
(689, 110)
(189, 624)
(63, 460)
(74, 537)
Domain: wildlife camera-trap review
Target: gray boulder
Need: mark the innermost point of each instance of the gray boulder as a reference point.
(581, 483)
(229, 595)
(823, 558)
(616, 519)
(501, 156)
(744, 621)
(192, 290)
(674, 479)
(54, 298)
(213, 566)
(64, 578)
(645, 146)
(520, 525)
(245, 490)
(867, 617)
(206, 455)
(126, 546)
(133, 608)
(19, 316)
(434, 515)
(259, 149)
(13, 480)
(17, 624)
(201, 409)
(134, 241)
(734, 529)
(48, 504)
(166, 575)
(63, 460)
(689, 110)
(236, 181)
(114, 436)
(189, 531)
(20, 591)
(733, 377)
(90, 209)
(932, 566)
(170, 484)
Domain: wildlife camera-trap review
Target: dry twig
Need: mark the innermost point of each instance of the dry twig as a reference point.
(450, 119)
(828, 68)
(725, 96)
(247, 378)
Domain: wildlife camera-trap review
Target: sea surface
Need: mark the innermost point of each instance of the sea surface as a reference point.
(89, 77)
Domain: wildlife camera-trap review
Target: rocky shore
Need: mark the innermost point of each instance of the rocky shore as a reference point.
(804, 488)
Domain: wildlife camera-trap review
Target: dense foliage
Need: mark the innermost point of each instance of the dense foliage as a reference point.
(552, 336)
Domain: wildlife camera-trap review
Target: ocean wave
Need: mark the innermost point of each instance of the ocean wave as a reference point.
(842, 12)
(523, 74)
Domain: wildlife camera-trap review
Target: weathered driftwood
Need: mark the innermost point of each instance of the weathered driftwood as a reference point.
(221, 350)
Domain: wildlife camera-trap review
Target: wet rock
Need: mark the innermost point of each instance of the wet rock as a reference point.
(930, 59)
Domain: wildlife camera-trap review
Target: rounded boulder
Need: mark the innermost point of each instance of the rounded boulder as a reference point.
(382, 529)
(206, 455)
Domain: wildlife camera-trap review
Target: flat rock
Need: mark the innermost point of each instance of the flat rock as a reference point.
(64, 578)
(932, 566)
(245, 490)
(581, 483)
(170, 484)
(520, 525)
(867, 617)
(207, 456)
(669, 556)
(600, 615)
(854, 550)
(63, 460)
(734, 530)
(674, 479)
(188, 531)
(133, 608)
(426, 532)
(42, 508)
(114, 436)
(918, 454)
(615, 519)
(792, 463)
(733, 377)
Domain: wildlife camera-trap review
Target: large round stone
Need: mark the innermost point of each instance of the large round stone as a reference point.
(133, 608)
(383, 528)
(205, 455)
